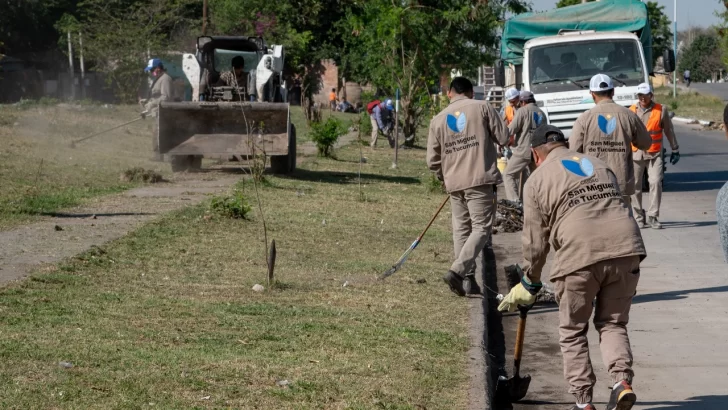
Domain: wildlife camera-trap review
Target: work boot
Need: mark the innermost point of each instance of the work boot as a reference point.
(588, 407)
(622, 397)
(471, 286)
(455, 282)
(653, 222)
(640, 218)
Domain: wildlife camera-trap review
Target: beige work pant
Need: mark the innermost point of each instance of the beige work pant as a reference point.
(613, 282)
(512, 176)
(375, 130)
(472, 219)
(654, 177)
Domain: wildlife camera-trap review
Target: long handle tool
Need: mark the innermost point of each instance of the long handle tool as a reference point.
(402, 259)
(515, 388)
(73, 143)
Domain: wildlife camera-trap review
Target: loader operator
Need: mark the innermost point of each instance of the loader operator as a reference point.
(527, 118)
(236, 77)
(658, 122)
(573, 203)
(462, 153)
(608, 131)
(161, 90)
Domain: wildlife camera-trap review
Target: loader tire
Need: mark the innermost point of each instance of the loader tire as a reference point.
(186, 163)
(286, 164)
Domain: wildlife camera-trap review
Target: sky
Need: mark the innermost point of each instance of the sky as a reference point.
(695, 13)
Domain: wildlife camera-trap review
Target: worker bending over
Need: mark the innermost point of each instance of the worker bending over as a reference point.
(527, 118)
(572, 203)
(462, 153)
(658, 122)
(608, 131)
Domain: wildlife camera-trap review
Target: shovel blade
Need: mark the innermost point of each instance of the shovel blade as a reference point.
(513, 389)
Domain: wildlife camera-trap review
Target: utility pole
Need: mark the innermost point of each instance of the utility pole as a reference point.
(83, 70)
(70, 66)
(396, 129)
(674, 48)
(204, 17)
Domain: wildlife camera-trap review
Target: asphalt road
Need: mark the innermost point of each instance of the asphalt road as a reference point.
(679, 319)
(719, 90)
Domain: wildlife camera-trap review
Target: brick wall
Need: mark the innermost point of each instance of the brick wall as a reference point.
(329, 80)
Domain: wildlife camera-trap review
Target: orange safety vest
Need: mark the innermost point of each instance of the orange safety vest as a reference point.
(510, 112)
(654, 127)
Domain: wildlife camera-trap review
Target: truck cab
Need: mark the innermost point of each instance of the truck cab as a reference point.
(557, 70)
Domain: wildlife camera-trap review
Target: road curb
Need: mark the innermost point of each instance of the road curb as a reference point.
(692, 121)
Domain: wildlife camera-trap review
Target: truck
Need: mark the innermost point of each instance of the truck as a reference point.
(230, 122)
(554, 54)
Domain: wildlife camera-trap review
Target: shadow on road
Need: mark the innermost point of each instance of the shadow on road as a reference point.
(687, 224)
(694, 181)
(338, 177)
(692, 403)
(676, 295)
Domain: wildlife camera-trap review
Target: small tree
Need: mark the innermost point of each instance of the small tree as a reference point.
(325, 134)
(702, 57)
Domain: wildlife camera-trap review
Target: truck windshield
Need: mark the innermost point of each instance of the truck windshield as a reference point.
(223, 59)
(569, 66)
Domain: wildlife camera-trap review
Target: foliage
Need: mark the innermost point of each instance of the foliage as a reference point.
(393, 45)
(434, 185)
(702, 57)
(325, 134)
(365, 124)
(566, 3)
(28, 25)
(722, 31)
(231, 206)
(660, 29)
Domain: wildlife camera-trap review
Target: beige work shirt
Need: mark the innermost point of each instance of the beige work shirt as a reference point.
(162, 90)
(460, 147)
(526, 120)
(667, 131)
(573, 204)
(607, 132)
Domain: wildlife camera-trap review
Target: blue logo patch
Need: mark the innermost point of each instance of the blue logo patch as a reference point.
(579, 166)
(456, 122)
(607, 123)
(537, 118)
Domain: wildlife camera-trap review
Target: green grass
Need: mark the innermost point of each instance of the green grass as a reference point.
(690, 104)
(166, 318)
(40, 172)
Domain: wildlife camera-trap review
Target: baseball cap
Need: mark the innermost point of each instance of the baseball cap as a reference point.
(526, 95)
(511, 94)
(546, 133)
(388, 104)
(644, 88)
(153, 63)
(600, 82)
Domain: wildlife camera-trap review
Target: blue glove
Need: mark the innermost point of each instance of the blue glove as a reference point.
(674, 157)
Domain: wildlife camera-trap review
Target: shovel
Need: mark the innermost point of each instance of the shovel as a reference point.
(515, 388)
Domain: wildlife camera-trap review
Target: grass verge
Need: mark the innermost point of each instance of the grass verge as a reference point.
(166, 318)
(691, 104)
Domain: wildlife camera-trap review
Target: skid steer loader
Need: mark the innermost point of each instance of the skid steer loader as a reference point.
(230, 121)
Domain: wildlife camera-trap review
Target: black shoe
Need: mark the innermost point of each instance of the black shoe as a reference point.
(471, 286)
(455, 282)
(622, 397)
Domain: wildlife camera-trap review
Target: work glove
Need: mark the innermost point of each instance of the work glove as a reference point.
(674, 157)
(522, 294)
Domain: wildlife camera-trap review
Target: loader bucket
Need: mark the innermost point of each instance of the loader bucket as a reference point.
(225, 129)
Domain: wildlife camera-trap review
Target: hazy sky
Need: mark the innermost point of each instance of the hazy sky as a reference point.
(689, 12)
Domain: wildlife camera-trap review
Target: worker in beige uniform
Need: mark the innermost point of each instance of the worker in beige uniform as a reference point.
(462, 153)
(658, 123)
(573, 203)
(527, 118)
(161, 90)
(608, 131)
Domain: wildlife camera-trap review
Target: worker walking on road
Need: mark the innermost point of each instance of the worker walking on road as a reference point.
(509, 110)
(527, 118)
(658, 122)
(608, 131)
(161, 90)
(573, 203)
(462, 153)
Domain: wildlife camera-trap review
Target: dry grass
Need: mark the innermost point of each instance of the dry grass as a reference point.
(39, 171)
(691, 104)
(166, 318)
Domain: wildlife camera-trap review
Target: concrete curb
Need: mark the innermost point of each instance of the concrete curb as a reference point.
(692, 121)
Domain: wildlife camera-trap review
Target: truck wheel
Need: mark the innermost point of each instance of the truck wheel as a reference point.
(183, 163)
(286, 164)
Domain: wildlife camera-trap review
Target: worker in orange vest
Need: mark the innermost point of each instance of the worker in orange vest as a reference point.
(509, 110)
(658, 123)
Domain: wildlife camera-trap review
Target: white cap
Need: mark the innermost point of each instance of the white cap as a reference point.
(600, 82)
(511, 94)
(644, 88)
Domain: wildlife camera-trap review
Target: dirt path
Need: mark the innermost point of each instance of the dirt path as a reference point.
(104, 219)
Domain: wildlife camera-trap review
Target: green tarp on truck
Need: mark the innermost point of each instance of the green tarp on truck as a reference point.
(604, 15)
